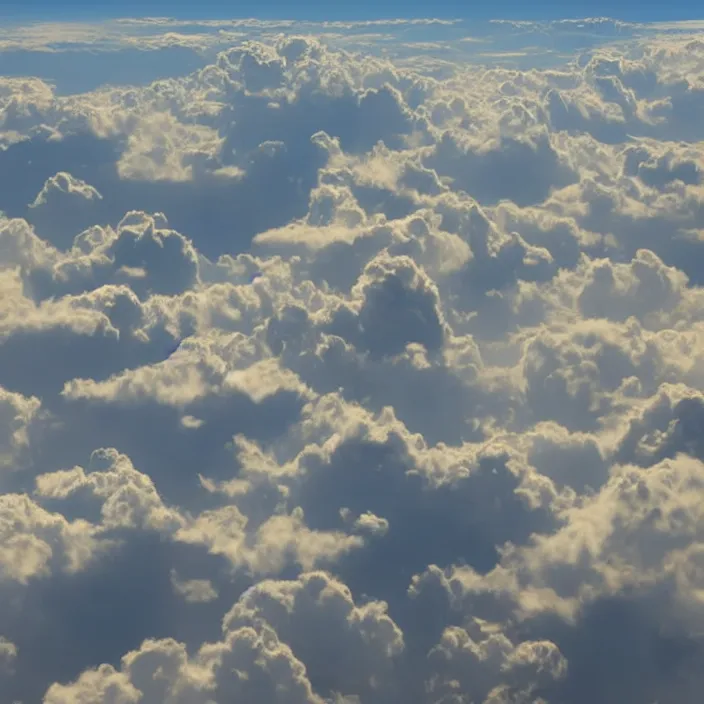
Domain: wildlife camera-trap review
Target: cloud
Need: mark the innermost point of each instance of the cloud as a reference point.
(64, 207)
(44, 345)
(333, 371)
(522, 170)
(36, 541)
(469, 668)
(370, 479)
(366, 639)
(17, 415)
(610, 572)
(128, 498)
(194, 590)
(256, 657)
(398, 286)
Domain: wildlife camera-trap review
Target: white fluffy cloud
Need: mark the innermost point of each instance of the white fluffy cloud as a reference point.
(352, 363)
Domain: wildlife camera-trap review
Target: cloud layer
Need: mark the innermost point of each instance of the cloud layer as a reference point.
(340, 368)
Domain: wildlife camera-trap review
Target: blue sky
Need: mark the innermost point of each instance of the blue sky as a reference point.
(633, 10)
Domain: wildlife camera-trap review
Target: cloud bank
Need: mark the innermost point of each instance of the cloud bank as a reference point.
(344, 366)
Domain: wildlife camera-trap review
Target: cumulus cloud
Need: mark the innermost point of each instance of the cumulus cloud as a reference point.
(64, 207)
(257, 657)
(351, 363)
(16, 422)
